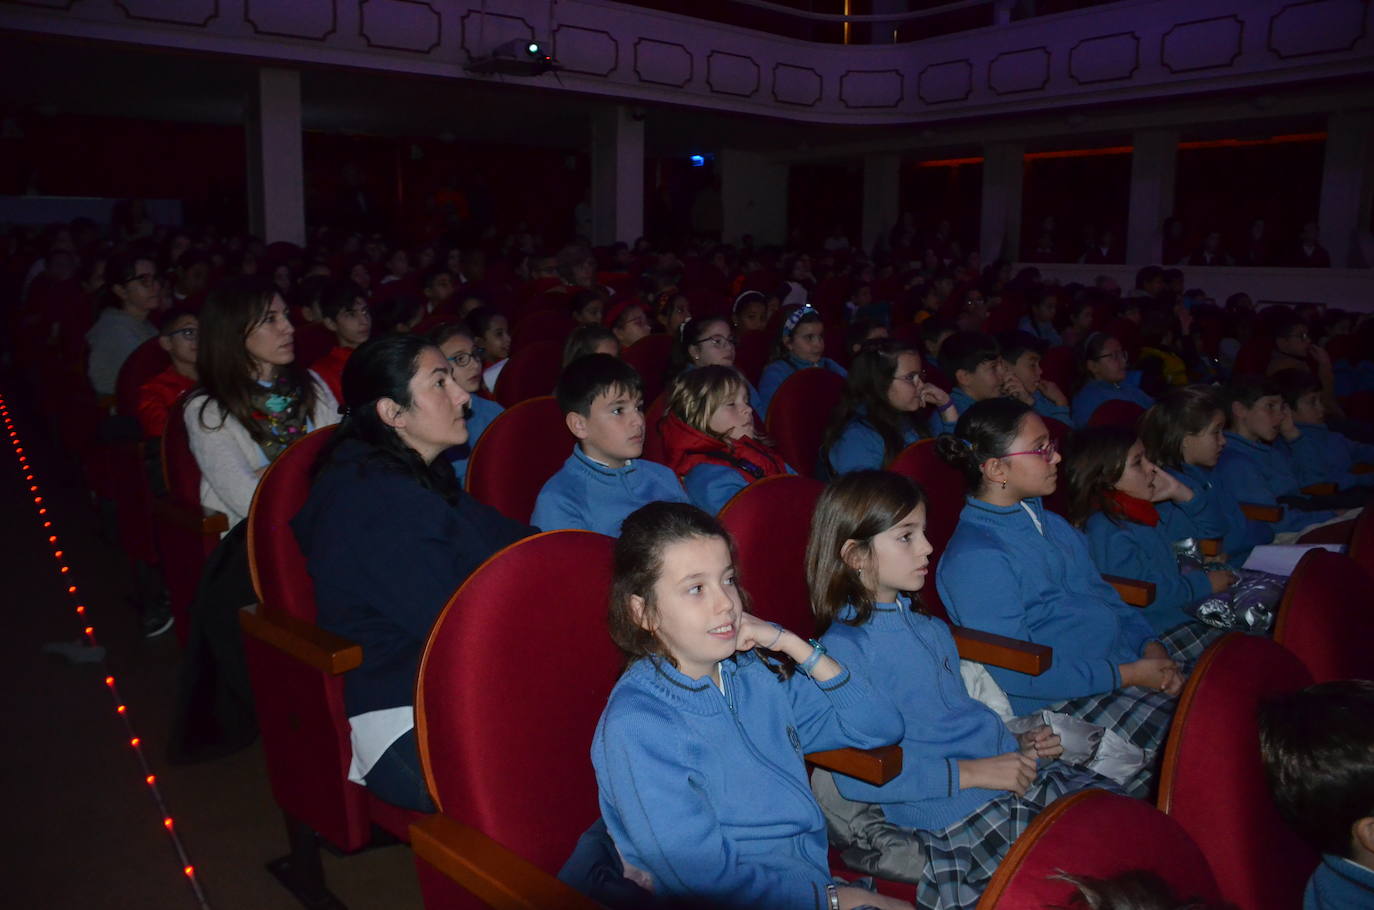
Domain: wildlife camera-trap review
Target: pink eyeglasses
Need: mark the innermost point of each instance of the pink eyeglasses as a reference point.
(1046, 451)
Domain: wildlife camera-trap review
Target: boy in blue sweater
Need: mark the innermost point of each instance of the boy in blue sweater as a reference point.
(1318, 749)
(604, 479)
(1021, 352)
(975, 363)
(1320, 454)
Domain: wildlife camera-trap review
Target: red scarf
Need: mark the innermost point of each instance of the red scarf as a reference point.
(1140, 511)
(685, 447)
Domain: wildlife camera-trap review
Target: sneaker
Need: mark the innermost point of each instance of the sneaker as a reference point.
(157, 622)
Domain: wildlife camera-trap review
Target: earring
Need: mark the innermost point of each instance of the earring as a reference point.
(1004, 484)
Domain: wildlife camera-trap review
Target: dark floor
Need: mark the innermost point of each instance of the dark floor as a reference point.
(83, 830)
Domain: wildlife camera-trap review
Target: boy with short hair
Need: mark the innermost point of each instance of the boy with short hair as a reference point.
(343, 311)
(1320, 454)
(1318, 751)
(974, 362)
(179, 338)
(604, 479)
(1021, 352)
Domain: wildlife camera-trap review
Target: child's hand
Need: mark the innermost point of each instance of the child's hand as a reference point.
(852, 896)
(1149, 673)
(1013, 387)
(1287, 427)
(1041, 742)
(755, 633)
(1169, 488)
(1221, 579)
(933, 394)
(1052, 391)
(1012, 771)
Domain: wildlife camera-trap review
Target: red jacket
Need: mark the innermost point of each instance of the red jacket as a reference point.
(330, 368)
(685, 447)
(156, 397)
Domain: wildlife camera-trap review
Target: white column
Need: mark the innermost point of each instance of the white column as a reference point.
(617, 176)
(1152, 194)
(1347, 187)
(753, 192)
(276, 174)
(999, 230)
(882, 197)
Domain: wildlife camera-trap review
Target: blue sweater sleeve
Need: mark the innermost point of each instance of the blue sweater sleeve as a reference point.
(842, 711)
(858, 447)
(654, 790)
(710, 486)
(1247, 484)
(981, 588)
(1305, 458)
(1046, 408)
(1120, 550)
(557, 509)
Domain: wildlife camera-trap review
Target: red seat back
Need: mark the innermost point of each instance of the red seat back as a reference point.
(799, 412)
(274, 558)
(178, 464)
(146, 361)
(649, 355)
(944, 489)
(543, 325)
(1361, 547)
(532, 371)
(751, 354)
(521, 449)
(517, 767)
(771, 521)
(1325, 620)
(1117, 413)
(1067, 837)
(1060, 366)
(1212, 780)
(653, 439)
(313, 341)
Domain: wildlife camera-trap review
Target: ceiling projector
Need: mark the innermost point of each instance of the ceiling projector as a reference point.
(517, 57)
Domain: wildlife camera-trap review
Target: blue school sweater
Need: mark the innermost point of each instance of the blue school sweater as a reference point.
(1257, 472)
(1219, 515)
(776, 372)
(1339, 884)
(1329, 456)
(707, 791)
(911, 661)
(1046, 408)
(860, 446)
(1139, 551)
(1098, 392)
(589, 495)
(710, 486)
(1002, 574)
(484, 411)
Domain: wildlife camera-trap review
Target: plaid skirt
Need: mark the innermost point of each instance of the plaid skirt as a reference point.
(1142, 716)
(962, 858)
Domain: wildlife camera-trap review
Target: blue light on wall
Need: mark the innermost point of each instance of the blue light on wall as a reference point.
(698, 160)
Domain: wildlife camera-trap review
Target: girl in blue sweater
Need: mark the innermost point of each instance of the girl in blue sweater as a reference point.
(708, 341)
(699, 753)
(1183, 433)
(968, 786)
(884, 391)
(1105, 362)
(800, 346)
(1014, 568)
(459, 348)
(1119, 499)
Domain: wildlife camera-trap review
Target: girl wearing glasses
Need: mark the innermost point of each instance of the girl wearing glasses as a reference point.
(1104, 360)
(705, 342)
(1014, 568)
(883, 393)
(456, 343)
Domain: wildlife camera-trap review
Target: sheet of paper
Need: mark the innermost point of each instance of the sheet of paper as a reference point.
(1280, 559)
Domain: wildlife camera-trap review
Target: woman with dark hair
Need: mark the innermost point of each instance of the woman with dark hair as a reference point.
(388, 536)
(884, 391)
(1014, 568)
(1118, 498)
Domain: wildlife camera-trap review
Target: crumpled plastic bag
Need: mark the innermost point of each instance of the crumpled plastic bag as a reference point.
(1249, 605)
(1090, 746)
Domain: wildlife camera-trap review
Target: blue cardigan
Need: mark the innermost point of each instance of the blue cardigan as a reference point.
(1098, 392)
(588, 495)
(1220, 515)
(776, 372)
(1046, 408)
(1329, 456)
(860, 446)
(484, 411)
(1339, 884)
(385, 555)
(1139, 551)
(911, 660)
(1000, 574)
(708, 791)
(1259, 472)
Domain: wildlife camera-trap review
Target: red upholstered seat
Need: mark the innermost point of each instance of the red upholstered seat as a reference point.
(123, 462)
(521, 449)
(649, 356)
(518, 768)
(799, 412)
(1070, 837)
(532, 371)
(751, 354)
(944, 489)
(547, 324)
(146, 361)
(297, 676)
(1326, 617)
(653, 439)
(1213, 783)
(1252, 358)
(1361, 547)
(1117, 413)
(1060, 366)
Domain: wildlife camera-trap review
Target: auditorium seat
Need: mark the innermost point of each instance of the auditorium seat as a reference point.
(1361, 547)
(1212, 781)
(296, 669)
(1067, 838)
(532, 371)
(751, 354)
(521, 449)
(1117, 413)
(649, 356)
(653, 439)
(125, 461)
(1060, 366)
(1326, 617)
(798, 414)
(547, 324)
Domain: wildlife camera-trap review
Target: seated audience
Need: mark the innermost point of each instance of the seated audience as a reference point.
(179, 337)
(589, 339)
(627, 321)
(455, 342)
(1324, 456)
(708, 341)
(123, 325)
(671, 310)
(975, 363)
(1021, 354)
(491, 332)
(750, 312)
(395, 312)
(604, 479)
(1104, 363)
(388, 536)
(1039, 319)
(588, 306)
(343, 310)
(800, 345)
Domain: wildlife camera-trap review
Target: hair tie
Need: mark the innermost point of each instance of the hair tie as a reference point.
(789, 325)
(747, 297)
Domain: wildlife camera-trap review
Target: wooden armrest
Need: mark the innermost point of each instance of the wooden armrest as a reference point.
(196, 519)
(1327, 488)
(1363, 467)
(872, 766)
(1134, 591)
(1001, 651)
(1256, 511)
(304, 641)
(490, 872)
(1210, 546)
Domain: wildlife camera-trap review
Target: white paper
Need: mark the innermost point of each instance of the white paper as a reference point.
(1281, 559)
